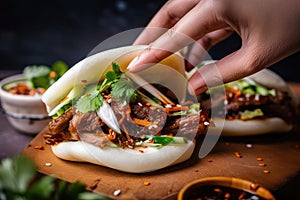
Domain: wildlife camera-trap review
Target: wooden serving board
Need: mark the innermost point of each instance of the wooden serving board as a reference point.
(280, 153)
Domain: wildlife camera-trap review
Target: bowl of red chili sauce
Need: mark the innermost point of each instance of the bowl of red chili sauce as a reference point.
(230, 188)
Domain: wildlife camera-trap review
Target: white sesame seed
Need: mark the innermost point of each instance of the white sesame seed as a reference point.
(178, 105)
(225, 102)
(140, 104)
(206, 123)
(152, 126)
(249, 146)
(117, 192)
(47, 164)
(168, 106)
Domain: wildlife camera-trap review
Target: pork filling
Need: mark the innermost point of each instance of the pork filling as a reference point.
(136, 121)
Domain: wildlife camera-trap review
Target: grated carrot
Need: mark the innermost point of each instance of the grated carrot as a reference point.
(176, 108)
(142, 122)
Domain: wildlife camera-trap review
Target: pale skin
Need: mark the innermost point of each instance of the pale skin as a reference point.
(269, 30)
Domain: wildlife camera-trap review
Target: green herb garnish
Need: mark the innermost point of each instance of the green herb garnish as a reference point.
(18, 182)
(43, 76)
(89, 102)
(123, 90)
(120, 88)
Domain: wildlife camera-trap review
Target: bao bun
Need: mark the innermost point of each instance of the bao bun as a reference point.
(127, 160)
(91, 70)
(236, 127)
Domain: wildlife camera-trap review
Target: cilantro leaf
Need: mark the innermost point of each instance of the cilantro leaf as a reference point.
(89, 102)
(111, 77)
(123, 90)
(17, 181)
(69, 191)
(35, 71)
(42, 189)
(116, 69)
(38, 75)
(16, 174)
(41, 75)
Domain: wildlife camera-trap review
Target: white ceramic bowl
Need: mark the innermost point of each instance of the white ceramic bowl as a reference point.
(27, 114)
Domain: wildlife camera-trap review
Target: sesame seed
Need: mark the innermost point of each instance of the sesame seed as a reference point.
(259, 159)
(117, 192)
(47, 164)
(261, 164)
(249, 146)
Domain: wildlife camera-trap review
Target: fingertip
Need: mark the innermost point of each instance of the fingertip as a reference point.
(132, 65)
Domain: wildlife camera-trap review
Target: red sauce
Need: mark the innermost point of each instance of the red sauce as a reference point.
(220, 193)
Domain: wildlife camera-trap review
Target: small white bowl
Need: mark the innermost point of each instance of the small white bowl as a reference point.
(27, 114)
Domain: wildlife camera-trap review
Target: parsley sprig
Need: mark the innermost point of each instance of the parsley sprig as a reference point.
(116, 82)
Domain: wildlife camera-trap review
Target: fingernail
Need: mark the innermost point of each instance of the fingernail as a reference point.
(132, 63)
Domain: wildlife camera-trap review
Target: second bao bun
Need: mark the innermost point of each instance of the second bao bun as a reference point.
(257, 126)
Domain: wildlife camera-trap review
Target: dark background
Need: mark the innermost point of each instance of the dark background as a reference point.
(41, 32)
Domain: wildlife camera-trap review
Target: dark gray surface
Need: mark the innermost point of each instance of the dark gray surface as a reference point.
(41, 32)
(12, 142)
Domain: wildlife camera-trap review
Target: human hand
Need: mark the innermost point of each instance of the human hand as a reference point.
(269, 31)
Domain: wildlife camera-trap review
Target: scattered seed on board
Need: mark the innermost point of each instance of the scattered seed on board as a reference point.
(262, 164)
(47, 164)
(117, 192)
(259, 159)
(249, 146)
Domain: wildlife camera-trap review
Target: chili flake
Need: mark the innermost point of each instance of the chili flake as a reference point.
(146, 183)
(261, 164)
(237, 154)
(39, 147)
(259, 159)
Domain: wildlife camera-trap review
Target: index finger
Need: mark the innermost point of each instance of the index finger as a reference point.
(165, 18)
(202, 19)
